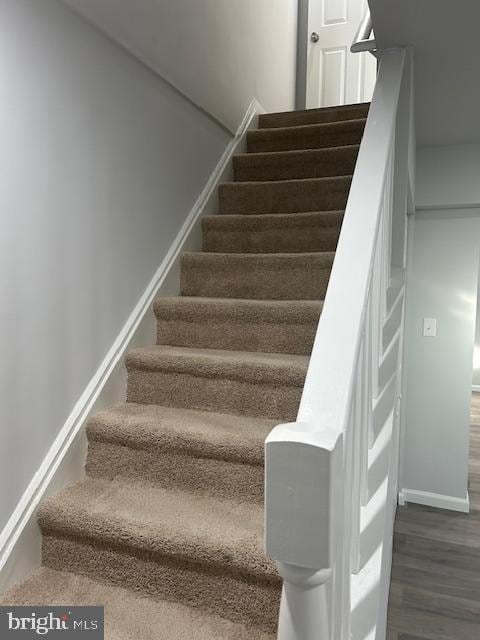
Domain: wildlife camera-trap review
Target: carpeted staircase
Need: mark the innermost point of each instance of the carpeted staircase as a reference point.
(166, 530)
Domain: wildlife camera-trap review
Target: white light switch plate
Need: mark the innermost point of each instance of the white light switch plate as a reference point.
(429, 327)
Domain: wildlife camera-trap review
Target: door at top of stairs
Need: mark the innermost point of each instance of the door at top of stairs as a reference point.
(329, 74)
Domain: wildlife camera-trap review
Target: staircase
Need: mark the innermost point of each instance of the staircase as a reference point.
(167, 528)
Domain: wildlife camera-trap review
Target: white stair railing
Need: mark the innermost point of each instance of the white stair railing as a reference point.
(364, 38)
(331, 476)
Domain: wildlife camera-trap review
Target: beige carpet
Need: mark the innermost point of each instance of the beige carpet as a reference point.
(167, 529)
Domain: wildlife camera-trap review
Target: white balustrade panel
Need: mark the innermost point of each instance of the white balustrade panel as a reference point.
(331, 476)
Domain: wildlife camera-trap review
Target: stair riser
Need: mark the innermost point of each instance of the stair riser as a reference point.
(214, 394)
(312, 116)
(174, 470)
(284, 197)
(297, 165)
(234, 598)
(271, 240)
(320, 137)
(256, 278)
(213, 333)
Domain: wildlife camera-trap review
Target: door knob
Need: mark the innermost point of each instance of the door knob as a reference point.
(314, 37)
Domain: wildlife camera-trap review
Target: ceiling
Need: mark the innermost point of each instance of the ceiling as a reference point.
(445, 37)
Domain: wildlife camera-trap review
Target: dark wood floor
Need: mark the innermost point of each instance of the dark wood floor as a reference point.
(435, 588)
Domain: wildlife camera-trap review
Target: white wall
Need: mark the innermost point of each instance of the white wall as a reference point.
(220, 54)
(476, 350)
(449, 177)
(442, 280)
(447, 96)
(442, 285)
(101, 162)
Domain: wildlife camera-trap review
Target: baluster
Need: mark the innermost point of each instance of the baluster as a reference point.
(349, 525)
(377, 307)
(367, 421)
(387, 213)
(359, 458)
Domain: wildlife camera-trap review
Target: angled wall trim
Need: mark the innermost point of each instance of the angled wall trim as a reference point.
(20, 540)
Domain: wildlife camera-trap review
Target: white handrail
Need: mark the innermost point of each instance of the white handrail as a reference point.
(328, 507)
(364, 39)
(343, 312)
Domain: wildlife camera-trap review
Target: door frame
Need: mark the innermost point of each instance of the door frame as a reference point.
(302, 52)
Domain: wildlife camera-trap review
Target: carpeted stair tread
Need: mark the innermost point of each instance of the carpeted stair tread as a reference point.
(279, 276)
(262, 385)
(281, 311)
(310, 136)
(169, 429)
(272, 233)
(196, 451)
(282, 326)
(313, 116)
(134, 517)
(212, 363)
(284, 196)
(128, 615)
(288, 165)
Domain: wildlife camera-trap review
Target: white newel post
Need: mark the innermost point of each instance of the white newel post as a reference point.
(304, 491)
(304, 609)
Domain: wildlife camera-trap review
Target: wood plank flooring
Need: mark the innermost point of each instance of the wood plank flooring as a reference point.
(435, 587)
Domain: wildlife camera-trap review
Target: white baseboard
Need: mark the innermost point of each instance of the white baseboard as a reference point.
(476, 388)
(20, 540)
(434, 500)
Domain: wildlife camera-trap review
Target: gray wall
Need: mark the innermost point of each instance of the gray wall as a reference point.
(442, 284)
(450, 176)
(100, 163)
(219, 53)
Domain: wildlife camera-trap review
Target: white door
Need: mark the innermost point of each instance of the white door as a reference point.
(334, 75)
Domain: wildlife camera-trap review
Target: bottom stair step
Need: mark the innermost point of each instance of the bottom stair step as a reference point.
(205, 552)
(128, 615)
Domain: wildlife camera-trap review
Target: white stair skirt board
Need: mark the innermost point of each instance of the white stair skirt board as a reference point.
(20, 540)
(434, 500)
